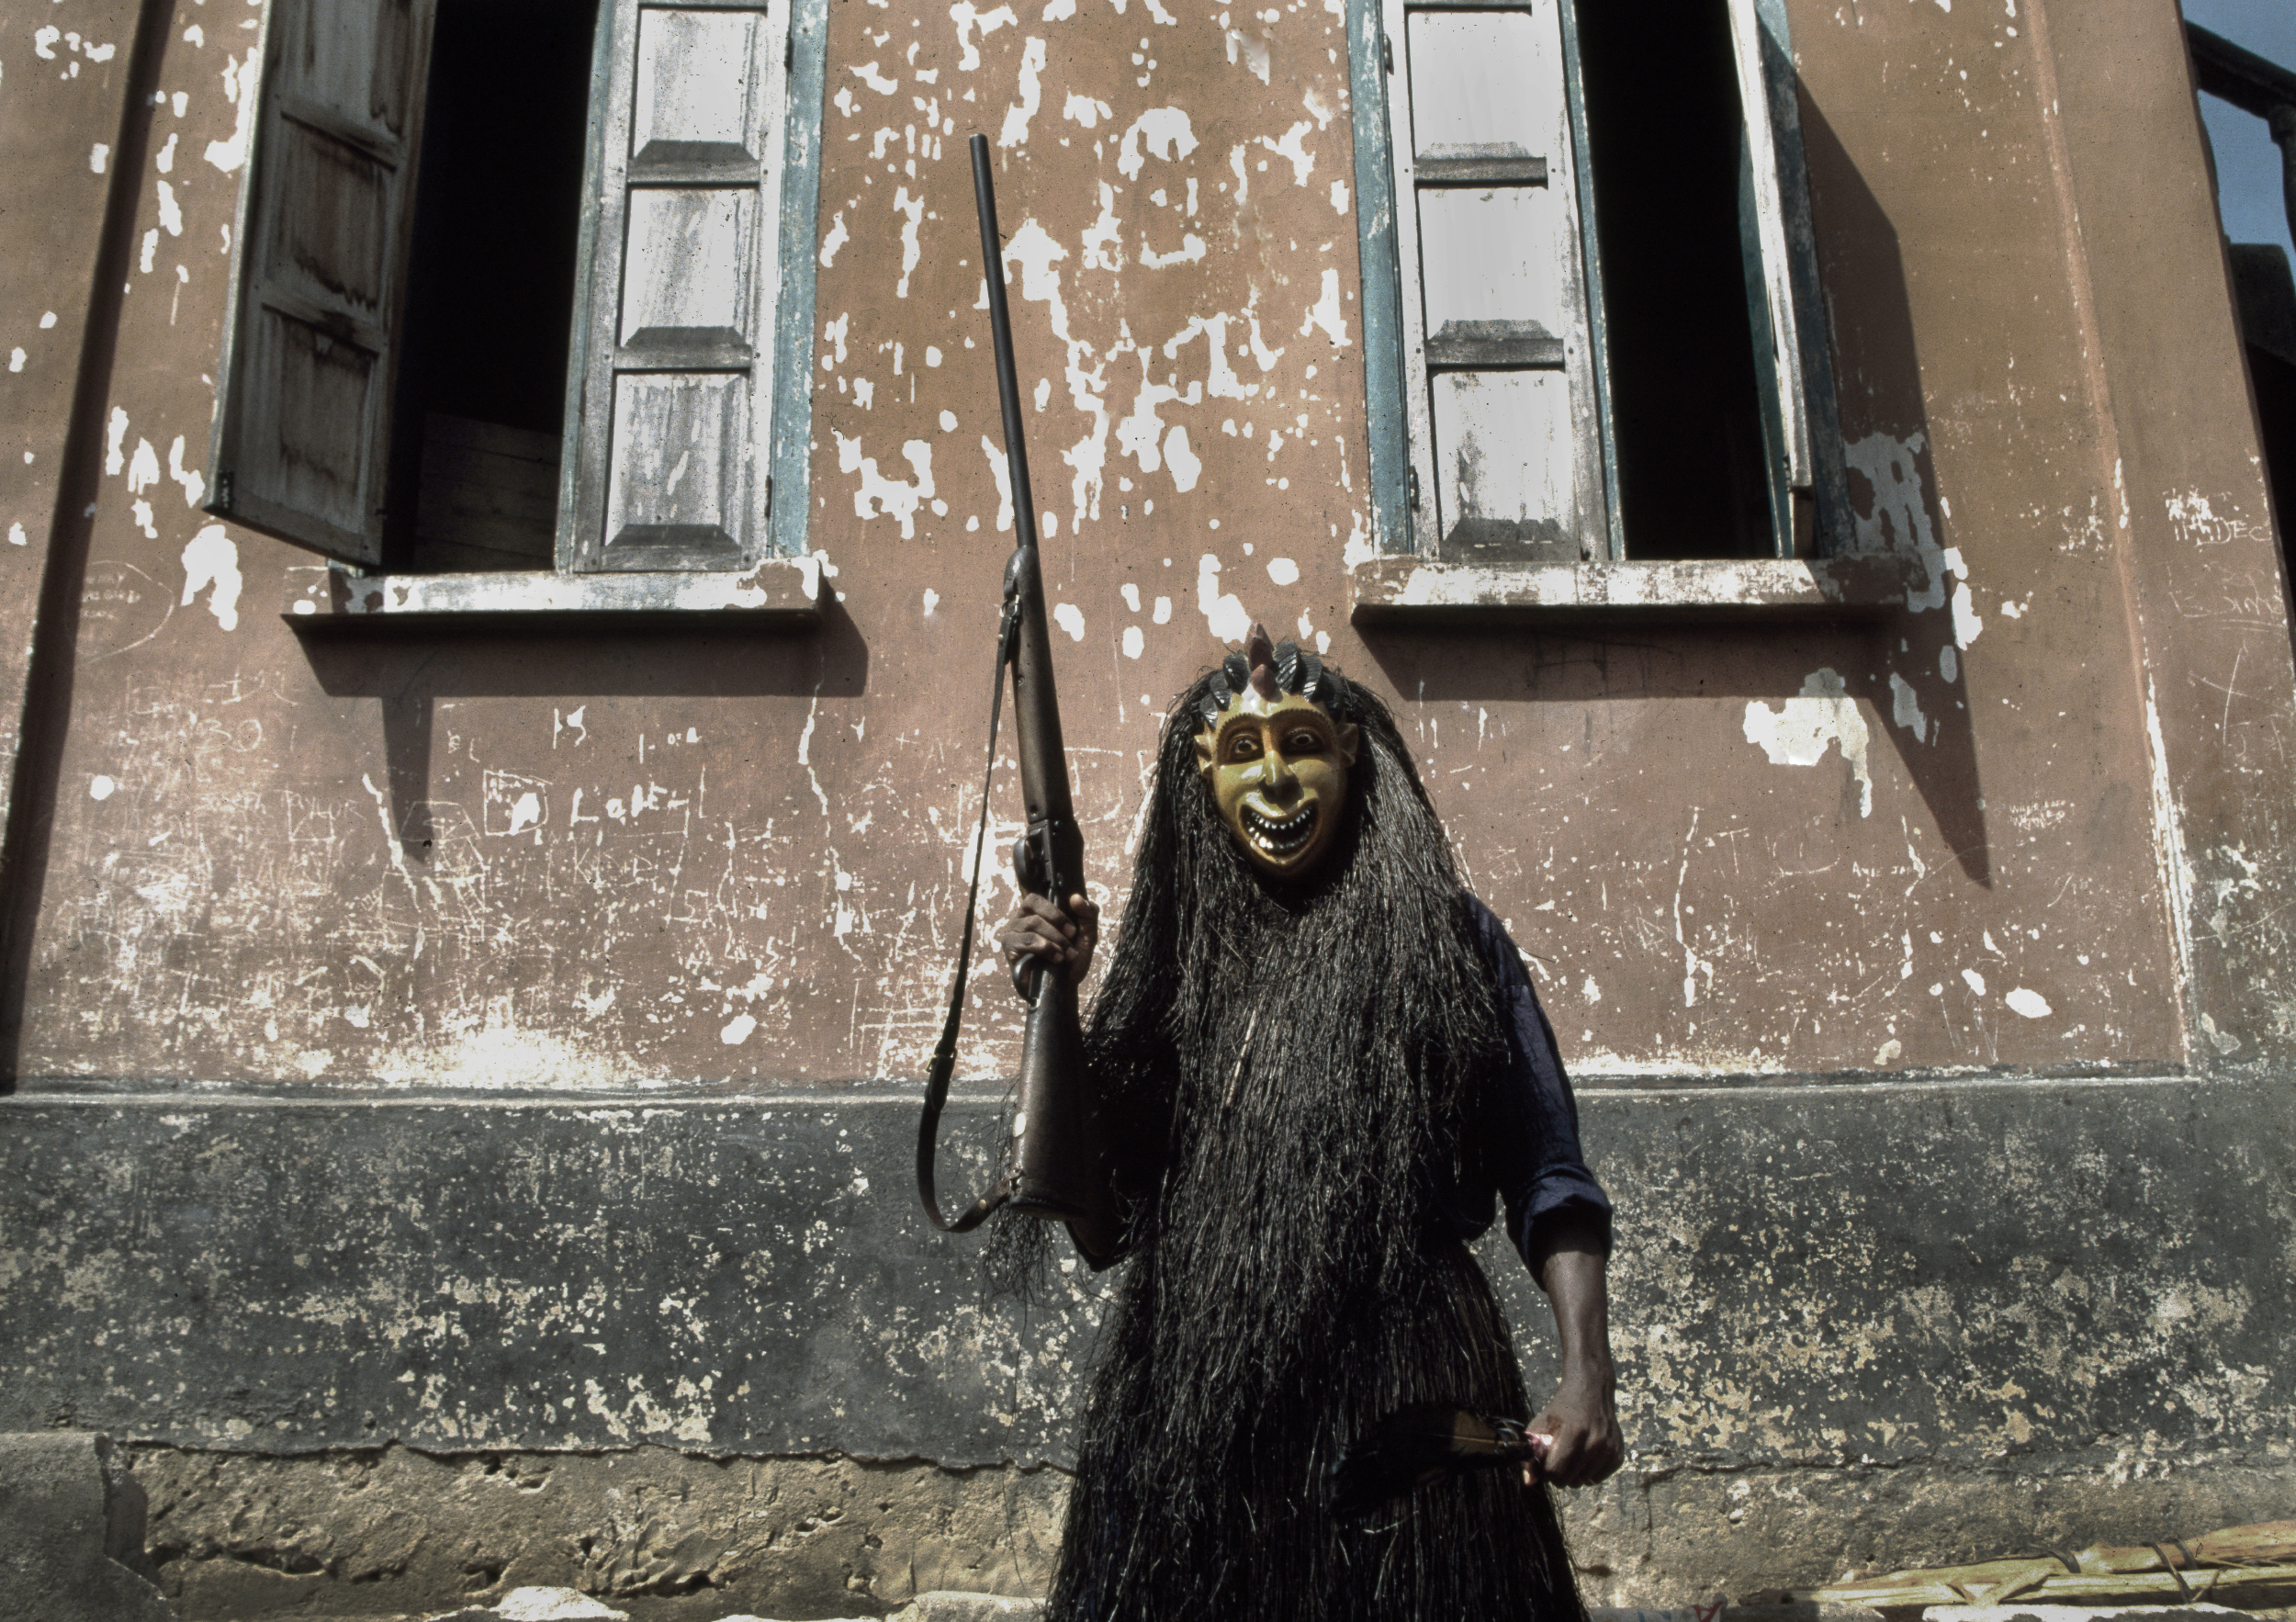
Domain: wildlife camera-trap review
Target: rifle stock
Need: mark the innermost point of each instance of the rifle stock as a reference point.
(1058, 1169)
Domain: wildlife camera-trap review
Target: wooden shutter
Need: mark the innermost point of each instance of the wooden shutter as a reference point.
(1504, 428)
(1794, 362)
(672, 432)
(302, 427)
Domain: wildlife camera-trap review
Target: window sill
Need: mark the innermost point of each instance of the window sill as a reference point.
(1405, 589)
(780, 592)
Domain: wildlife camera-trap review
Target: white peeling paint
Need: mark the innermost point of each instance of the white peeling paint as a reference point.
(211, 560)
(1102, 245)
(1905, 707)
(836, 239)
(239, 88)
(1140, 435)
(1797, 732)
(1016, 118)
(1070, 618)
(1133, 642)
(1283, 571)
(1191, 249)
(1899, 521)
(912, 212)
(878, 496)
(1339, 196)
(143, 469)
(1163, 614)
(1184, 462)
(1974, 981)
(987, 22)
(195, 484)
(1000, 469)
(736, 1030)
(1966, 625)
(100, 787)
(115, 442)
(171, 214)
(1252, 50)
(1324, 313)
(1084, 110)
(1293, 150)
(1223, 612)
(16, 537)
(1036, 253)
(2030, 1004)
(99, 156)
(1165, 131)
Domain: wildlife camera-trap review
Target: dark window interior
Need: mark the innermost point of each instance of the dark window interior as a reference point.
(1664, 128)
(481, 391)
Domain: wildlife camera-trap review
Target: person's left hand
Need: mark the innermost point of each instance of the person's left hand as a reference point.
(1583, 1421)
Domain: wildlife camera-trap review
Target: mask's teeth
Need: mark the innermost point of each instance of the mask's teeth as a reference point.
(1280, 839)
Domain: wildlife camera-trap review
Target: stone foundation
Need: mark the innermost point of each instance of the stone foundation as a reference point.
(392, 1531)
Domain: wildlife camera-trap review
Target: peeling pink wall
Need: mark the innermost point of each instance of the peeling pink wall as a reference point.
(2035, 820)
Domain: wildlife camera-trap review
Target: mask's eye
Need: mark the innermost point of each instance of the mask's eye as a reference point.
(1305, 742)
(1242, 746)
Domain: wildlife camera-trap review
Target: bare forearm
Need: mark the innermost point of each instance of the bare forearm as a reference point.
(1572, 1269)
(1574, 1274)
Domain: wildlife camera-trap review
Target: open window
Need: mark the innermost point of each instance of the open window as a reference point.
(1594, 328)
(531, 352)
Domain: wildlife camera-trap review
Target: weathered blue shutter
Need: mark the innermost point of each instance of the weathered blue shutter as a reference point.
(673, 430)
(1786, 305)
(1503, 425)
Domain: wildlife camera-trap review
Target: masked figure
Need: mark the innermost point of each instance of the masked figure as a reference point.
(1323, 1067)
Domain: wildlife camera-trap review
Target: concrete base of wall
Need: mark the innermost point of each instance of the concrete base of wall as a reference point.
(662, 1535)
(72, 1549)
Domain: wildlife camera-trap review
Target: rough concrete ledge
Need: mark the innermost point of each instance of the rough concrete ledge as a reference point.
(666, 1537)
(1418, 588)
(783, 591)
(72, 1530)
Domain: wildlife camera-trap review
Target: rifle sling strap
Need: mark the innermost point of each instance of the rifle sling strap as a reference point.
(945, 1051)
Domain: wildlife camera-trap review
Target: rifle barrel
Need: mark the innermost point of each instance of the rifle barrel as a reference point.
(1053, 838)
(1000, 329)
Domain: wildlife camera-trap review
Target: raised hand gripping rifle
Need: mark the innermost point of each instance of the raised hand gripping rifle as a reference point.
(1055, 1167)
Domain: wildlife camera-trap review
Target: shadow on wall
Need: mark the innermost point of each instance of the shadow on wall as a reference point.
(572, 663)
(53, 665)
(1904, 665)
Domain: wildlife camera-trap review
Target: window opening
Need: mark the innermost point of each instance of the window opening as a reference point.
(570, 341)
(479, 414)
(1602, 337)
(1667, 150)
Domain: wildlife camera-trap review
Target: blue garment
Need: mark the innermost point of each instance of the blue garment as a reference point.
(1527, 1148)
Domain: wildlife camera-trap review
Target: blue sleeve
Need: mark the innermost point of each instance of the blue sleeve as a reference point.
(1531, 1150)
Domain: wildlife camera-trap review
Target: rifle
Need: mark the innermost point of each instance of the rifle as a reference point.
(1055, 1167)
